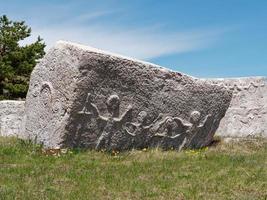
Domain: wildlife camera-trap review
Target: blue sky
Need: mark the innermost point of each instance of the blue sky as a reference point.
(203, 38)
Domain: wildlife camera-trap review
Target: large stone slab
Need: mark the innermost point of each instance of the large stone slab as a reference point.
(247, 113)
(245, 117)
(83, 97)
(11, 118)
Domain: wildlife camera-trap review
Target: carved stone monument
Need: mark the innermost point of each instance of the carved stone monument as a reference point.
(83, 97)
(247, 113)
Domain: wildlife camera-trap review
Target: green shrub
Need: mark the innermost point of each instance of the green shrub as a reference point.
(16, 61)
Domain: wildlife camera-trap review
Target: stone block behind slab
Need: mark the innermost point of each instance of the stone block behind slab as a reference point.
(11, 118)
(247, 113)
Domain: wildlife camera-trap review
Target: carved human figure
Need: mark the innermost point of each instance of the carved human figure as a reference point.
(140, 125)
(113, 122)
(174, 134)
(196, 126)
(186, 132)
(173, 127)
(140, 129)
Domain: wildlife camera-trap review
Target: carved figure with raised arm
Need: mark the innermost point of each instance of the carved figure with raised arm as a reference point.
(140, 125)
(140, 130)
(196, 126)
(173, 127)
(113, 122)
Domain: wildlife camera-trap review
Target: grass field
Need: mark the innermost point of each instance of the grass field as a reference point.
(236, 170)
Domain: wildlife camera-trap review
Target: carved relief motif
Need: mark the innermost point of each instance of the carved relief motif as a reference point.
(35, 90)
(197, 128)
(113, 122)
(241, 85)
(170, 130)
(189, 130)
(50, 108)
(244, 116)
(45, 102)
(140, 130)
(87, 105)
(57, 106)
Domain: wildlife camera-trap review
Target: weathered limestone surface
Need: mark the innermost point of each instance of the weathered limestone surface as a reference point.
(245, 117)
(247, 114)
(11, 118)
(83, 97)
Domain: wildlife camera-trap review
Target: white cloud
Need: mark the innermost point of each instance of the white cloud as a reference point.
(141, 43)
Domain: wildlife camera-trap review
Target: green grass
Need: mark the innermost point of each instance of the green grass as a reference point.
(235, 170)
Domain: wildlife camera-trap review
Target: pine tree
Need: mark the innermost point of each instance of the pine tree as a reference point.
(16, 61)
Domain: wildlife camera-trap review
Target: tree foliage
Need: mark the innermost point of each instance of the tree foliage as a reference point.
(16, 61)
